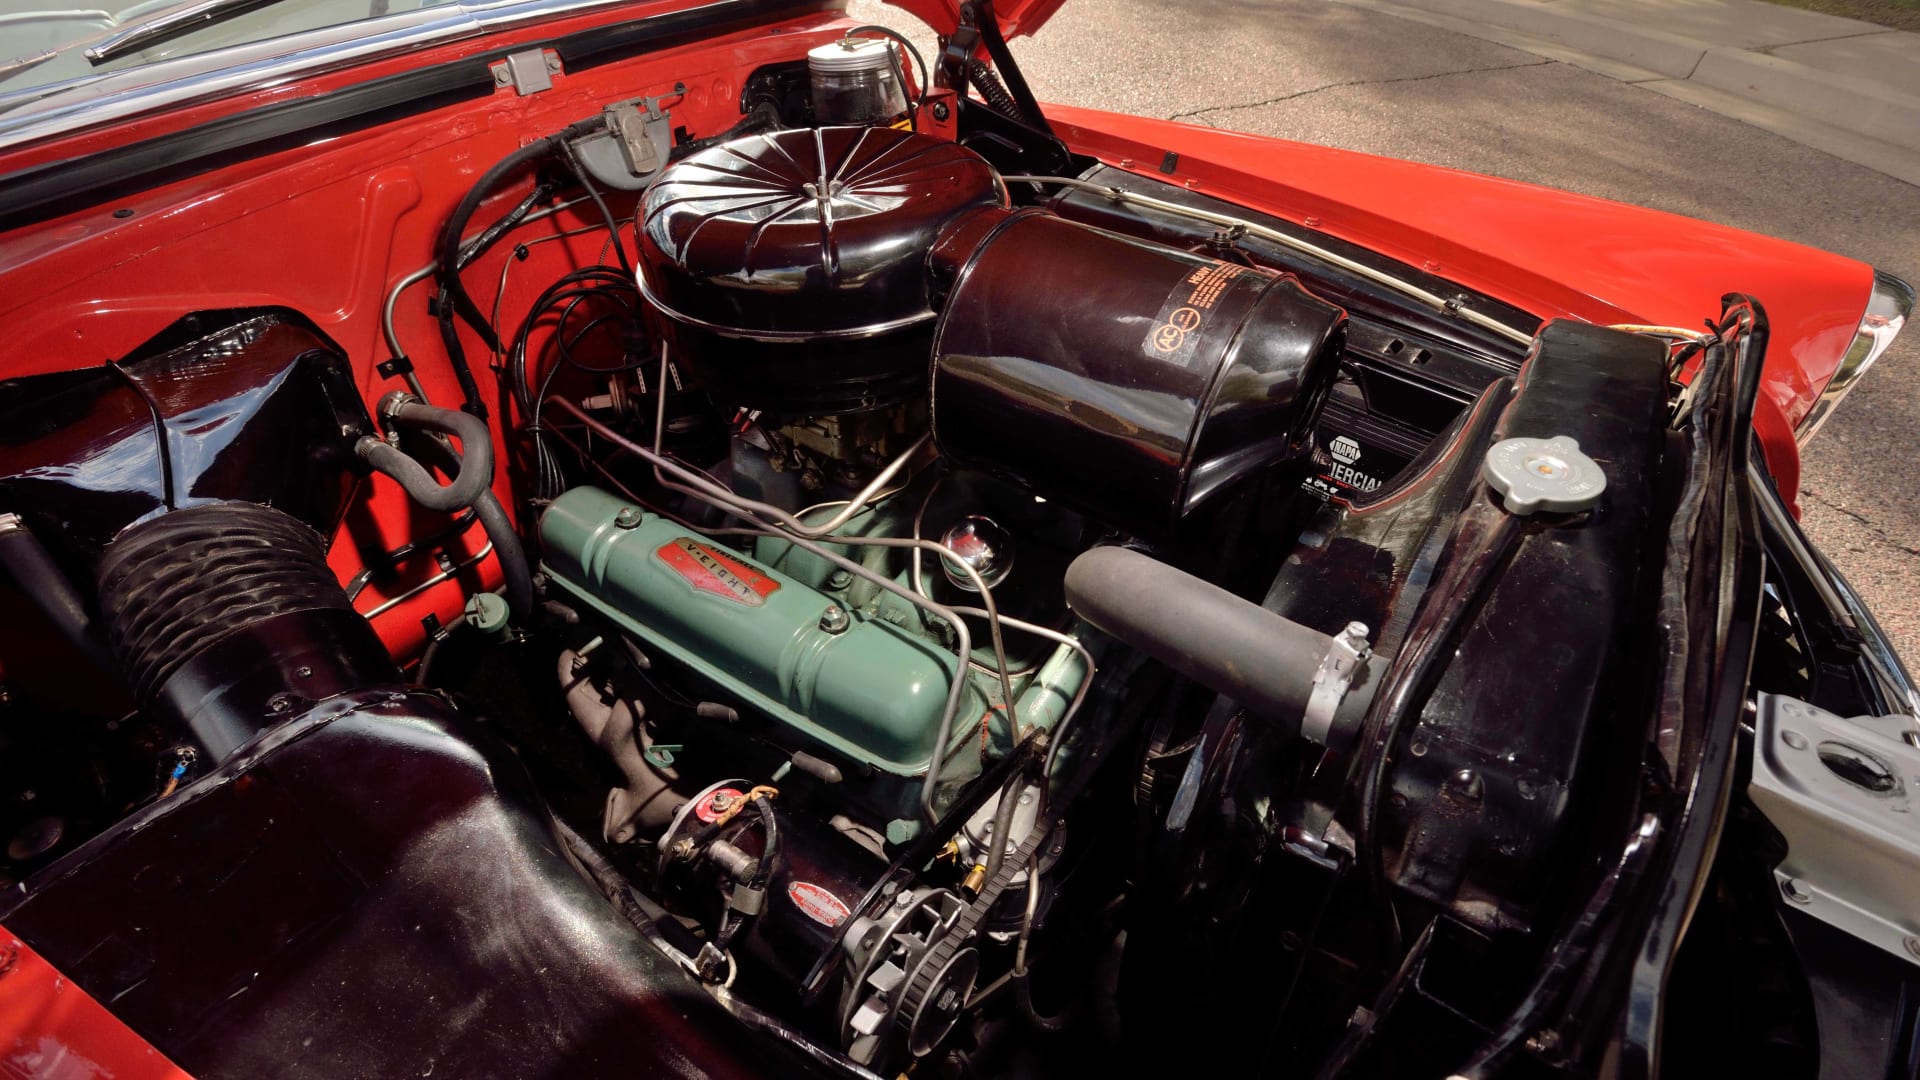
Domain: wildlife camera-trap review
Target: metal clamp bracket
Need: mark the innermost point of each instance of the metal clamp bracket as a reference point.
(1330, 681)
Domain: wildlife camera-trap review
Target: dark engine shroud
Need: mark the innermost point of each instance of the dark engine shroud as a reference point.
(1124, 377)
(802, 271)
(790, 266)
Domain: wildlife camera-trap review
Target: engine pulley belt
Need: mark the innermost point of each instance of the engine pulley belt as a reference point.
(919, 852)
(926, 975)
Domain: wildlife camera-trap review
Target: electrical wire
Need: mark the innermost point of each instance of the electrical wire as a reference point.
(705, 490)
(423, 273)
(925, 84)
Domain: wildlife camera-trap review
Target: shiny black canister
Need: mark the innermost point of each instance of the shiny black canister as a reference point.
(790, 267)
(1131, 380)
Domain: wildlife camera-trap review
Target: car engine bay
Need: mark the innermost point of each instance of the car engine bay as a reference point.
(961, 609)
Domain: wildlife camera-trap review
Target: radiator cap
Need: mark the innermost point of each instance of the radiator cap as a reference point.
(1532, 475)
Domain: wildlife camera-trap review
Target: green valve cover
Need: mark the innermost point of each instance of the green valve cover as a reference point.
(871, 691)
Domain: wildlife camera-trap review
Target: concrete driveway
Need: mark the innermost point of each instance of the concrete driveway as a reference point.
(1323, 72)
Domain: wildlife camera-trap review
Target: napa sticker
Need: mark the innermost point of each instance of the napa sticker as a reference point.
(715, 574)
(1343, 473)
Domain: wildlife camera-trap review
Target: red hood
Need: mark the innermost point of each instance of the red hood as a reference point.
(1015, 17)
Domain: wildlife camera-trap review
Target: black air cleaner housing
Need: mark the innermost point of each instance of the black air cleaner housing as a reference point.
(1128, 379)
(791, 267)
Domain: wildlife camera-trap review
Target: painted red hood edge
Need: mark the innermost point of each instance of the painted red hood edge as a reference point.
(50, 1027)
(1550, 252)
(1015, 17)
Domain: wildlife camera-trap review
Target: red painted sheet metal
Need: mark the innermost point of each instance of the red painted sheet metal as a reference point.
(51, 1029)
(1550, 252)
(1015, 17)
(327, 229)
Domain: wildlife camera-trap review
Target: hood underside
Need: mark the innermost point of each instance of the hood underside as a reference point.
(1015, 17)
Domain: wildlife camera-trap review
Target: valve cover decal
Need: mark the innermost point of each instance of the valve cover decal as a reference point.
(711, 572)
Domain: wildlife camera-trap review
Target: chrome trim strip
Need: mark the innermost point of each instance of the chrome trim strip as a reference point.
(1889, 306)
(1837, 595)
(45, 112)
(851, 334)
(36, 113)
(166, 24)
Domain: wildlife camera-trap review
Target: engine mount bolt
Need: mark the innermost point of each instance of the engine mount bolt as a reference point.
(834, 620)
(839, 579)
(627, 518)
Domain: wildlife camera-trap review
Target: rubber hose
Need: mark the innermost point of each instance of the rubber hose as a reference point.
(476, 470)
(436, 645)
(25, 562)
(1002, 824)
(517, 578)
(1023, 996)
(1237, 648)
(219, 610)
(447, 250)
(516, 573)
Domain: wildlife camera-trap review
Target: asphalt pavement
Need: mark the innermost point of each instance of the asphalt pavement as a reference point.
(1361, 79)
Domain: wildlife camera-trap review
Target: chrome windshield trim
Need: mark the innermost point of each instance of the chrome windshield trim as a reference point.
(1889, 306)
(166, 24)
(1836, 594)
(33, 114)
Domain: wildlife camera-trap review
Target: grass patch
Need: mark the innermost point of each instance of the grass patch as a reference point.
(1894, 14)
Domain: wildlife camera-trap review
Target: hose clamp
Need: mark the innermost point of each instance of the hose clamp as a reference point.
(1348, 652)
(390, 406)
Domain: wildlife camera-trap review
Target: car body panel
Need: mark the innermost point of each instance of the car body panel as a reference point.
(353, 212)
(51, 1027)
(1554, 253)
(1015, 17)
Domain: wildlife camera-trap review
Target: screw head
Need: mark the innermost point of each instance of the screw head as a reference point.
(1794, 890)
(1912, 945)
(834, 620)
(941, 112)
(1794, 739)
(501, 76)
(627, 518)
(839, 579)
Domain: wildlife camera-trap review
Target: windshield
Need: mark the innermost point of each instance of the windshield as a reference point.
(43, 43)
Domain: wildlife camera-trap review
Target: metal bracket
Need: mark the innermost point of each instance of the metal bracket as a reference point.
(632, 146)
(629, 125)
(1841, 793)
(1330, 681)
(528, 72)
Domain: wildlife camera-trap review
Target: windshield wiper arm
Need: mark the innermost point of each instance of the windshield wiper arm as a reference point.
(167, 25)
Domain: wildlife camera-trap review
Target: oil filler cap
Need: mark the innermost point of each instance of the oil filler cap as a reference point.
(1532, 475)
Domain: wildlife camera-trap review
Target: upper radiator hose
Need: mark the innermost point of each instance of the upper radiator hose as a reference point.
(1265, 661)
(226, 615)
